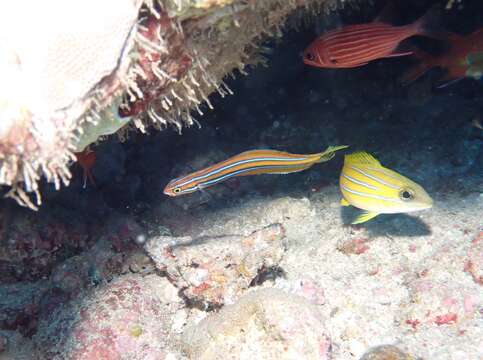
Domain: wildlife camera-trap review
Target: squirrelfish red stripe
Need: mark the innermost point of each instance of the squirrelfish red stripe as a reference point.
(356, 45)
(248, 163)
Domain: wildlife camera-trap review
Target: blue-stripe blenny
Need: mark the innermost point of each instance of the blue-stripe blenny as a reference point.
(251, 162)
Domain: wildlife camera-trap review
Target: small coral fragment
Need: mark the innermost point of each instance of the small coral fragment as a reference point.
(386, 352)
(474, 262)
(355, 246)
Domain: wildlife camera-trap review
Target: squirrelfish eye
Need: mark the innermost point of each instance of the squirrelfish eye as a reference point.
(406, 194)
(176, 190)
(310, 56)
(333, 60)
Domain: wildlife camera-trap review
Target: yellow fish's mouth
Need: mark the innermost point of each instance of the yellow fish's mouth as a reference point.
(428, 205)
(419, 206)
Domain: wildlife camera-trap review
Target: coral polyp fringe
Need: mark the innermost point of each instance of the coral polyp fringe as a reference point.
(21, 169)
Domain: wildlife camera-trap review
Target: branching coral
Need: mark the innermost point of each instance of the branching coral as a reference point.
(91, 68)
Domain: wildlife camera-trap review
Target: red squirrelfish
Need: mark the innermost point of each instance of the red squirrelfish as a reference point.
(251, 162)
(356, 45)
(463, 58)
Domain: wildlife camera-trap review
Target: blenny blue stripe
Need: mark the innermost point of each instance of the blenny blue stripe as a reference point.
(211, 173)
(229, 175)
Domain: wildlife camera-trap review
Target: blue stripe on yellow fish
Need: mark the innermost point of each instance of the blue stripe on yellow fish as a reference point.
(248, 163)
(367, 185)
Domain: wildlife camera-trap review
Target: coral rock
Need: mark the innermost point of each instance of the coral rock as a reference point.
(30, 245)
(14, 346)
(215, 271)
(19, 304)
(441, 292)
(264, 324)
(127, 319)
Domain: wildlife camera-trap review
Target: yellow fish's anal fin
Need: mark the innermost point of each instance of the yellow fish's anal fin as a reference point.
(361, 158)
(365, 216)
(344, 202)
(329, 153)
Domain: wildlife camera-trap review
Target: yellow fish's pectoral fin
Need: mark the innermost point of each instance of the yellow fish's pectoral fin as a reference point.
(344, 202)
(329, 153)
(361, 157)
(365, 216)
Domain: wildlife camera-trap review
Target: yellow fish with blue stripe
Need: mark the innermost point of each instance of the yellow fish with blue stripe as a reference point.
(369, 186)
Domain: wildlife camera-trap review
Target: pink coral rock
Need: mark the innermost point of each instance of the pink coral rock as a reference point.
(441, 293)
(128, 318)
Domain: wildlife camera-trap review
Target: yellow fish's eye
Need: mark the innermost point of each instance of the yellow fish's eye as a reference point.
(406, 194)
(176, 190)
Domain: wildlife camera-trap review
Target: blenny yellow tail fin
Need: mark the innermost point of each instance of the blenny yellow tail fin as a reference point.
(329, 153)
(364, 216)
(361, 158)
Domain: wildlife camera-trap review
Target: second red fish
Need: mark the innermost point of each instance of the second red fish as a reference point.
(356, 45)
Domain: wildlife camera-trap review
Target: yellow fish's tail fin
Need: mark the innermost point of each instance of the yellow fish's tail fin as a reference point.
(364, 216)
(361, 158)
(329, 153)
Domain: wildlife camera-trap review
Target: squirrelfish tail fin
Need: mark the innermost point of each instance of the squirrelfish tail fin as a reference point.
(329, 153)
(361, 158)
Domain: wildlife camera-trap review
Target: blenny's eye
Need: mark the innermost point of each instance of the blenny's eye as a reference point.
(176, 190)
(406, 194)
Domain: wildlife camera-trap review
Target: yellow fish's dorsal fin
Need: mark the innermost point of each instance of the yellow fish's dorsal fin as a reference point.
(329, 153)
(361, 158)
(344, 202)
(364, 216)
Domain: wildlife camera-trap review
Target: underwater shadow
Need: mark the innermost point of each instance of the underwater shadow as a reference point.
(394, 225)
